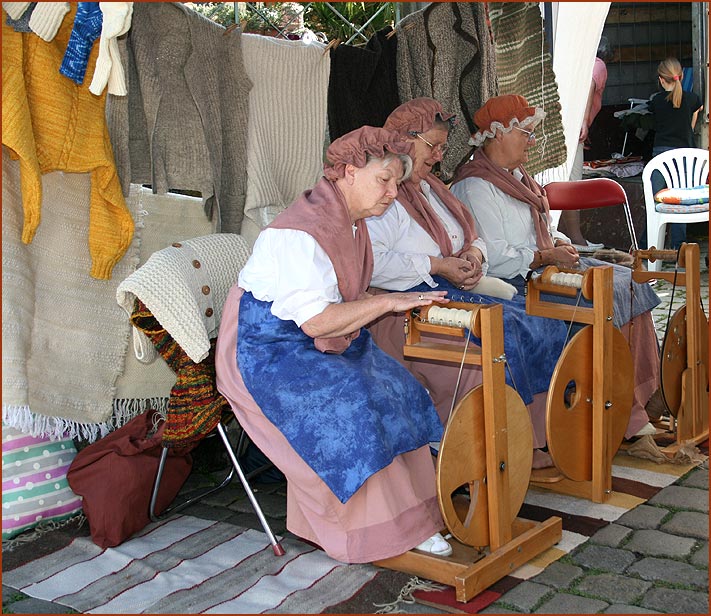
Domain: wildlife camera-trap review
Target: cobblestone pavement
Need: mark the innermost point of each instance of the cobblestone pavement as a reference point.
(652, 560)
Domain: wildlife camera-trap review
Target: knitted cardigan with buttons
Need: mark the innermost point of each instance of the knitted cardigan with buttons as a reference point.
(183, 124)
(51, 124)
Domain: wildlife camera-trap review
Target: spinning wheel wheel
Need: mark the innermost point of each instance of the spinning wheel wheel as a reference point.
(569, 407)
(462, 461)
(674, 356)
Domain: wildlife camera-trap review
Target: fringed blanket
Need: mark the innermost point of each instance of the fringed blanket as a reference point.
(532, 344)
(348, 415)
(524, 66)
(64, 337)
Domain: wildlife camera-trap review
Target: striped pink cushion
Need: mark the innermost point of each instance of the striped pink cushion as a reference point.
(34, 481)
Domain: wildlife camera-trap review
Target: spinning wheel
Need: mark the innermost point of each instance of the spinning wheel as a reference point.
(569, 407)
(685, 353)
(462, 462)
(674, 357)
(487, 446)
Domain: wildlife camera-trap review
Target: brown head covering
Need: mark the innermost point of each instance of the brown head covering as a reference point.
(354, 148)
(503, 113)
(418, 116)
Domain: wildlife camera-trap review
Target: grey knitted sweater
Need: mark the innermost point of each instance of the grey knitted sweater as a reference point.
(445, 51)
(183, 124)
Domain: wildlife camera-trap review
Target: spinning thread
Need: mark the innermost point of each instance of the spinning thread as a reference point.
(567, 279)
(451, 317)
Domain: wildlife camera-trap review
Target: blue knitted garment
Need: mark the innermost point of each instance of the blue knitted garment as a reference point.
(87, 28)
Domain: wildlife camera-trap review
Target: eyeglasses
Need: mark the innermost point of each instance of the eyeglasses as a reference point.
(530, 133)
(440, 147)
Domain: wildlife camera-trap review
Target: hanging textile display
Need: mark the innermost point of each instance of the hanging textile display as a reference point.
(183, 124)
(52, 124)
(287, 124)
(64, 337)
(524, 67)
(362, 86)
(445, 51)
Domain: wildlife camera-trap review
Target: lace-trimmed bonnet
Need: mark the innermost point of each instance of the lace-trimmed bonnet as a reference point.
(503, 113)
(353, 149)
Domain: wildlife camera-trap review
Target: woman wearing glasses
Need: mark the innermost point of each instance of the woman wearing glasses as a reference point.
(512, 215)
(427, 240)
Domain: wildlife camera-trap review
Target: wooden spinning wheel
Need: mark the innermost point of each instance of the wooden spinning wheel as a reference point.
(685, 354)
(487, 446)
(462, 462)
(569, 406)
(674, 357)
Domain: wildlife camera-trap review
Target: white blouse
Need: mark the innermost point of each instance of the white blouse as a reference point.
(505, 224)
(402, 248)
(291, 269)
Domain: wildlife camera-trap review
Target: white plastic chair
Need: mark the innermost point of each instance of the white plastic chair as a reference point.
(681, 168)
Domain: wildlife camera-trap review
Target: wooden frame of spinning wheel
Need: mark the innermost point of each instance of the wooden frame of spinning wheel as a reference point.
(469, 569)
(597, 286)
(692, 416)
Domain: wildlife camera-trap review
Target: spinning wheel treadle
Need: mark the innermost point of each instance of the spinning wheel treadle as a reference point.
(462, 461)
(569, 414)
(674, 357)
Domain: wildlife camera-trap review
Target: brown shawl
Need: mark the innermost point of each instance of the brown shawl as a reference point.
(527, 190)
(322, 213)
(422, 213)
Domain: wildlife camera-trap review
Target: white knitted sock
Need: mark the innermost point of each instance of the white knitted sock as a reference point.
(47, 17)
(116, 21)
(15, 9)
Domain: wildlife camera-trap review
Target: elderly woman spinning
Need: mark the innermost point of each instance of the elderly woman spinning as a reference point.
(511, 211)
(346, 424)
(428, 240)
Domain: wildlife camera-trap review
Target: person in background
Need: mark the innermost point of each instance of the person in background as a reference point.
(512, 216)
(347, 425)
(428, 240)
(570, 219)
(675, 113)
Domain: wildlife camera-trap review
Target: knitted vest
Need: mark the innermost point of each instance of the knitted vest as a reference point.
(52, 124)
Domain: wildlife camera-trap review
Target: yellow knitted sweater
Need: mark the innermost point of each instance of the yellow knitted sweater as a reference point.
(51, 124)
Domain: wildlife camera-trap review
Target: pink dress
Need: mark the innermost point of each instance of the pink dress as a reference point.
(392, 512)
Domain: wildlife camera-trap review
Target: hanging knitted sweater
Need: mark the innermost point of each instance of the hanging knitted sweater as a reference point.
(51, 124)
(362, 85)
(445, 51)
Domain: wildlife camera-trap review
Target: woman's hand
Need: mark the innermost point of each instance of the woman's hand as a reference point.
(459, 271)
(563, 254)
(405, 301)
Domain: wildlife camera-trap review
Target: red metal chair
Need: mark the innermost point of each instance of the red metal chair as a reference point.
(587, 194)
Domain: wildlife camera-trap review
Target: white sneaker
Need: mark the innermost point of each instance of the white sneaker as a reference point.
(436, 545)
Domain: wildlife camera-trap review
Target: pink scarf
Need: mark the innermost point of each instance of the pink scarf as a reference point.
(527, 190)
(322, 213)
(422, 213)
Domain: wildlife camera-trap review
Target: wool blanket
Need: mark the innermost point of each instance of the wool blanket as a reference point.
(524, 66)
(287, 124)
(347, 415)
(64, 338)
(530, 362)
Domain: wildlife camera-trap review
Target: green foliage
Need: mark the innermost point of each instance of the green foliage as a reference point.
(317, 17)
